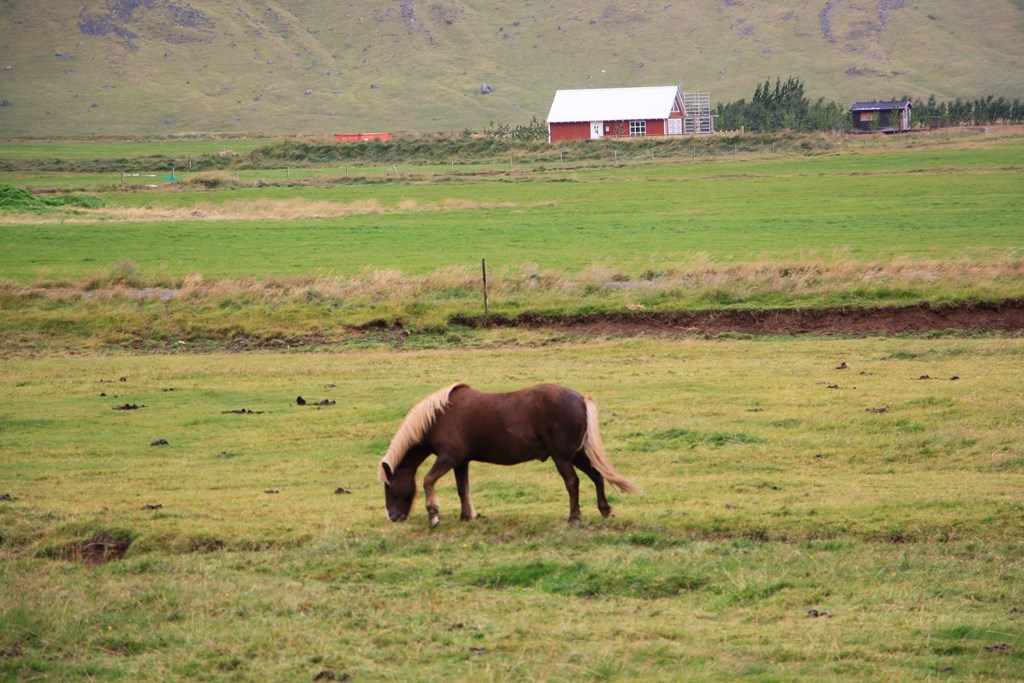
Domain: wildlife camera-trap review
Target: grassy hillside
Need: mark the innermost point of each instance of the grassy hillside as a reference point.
(175, 66)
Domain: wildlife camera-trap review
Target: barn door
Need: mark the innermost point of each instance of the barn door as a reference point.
(596, 130)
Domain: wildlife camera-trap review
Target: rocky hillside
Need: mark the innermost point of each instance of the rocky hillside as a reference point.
(319, 66)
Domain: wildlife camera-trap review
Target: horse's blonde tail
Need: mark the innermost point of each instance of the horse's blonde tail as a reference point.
(594, 448)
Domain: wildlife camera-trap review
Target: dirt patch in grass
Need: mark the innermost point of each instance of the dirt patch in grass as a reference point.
(1005, 315)
(103, 547)
(205, 545)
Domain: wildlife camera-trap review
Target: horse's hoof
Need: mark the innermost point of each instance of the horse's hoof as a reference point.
(574, 520)
(434, 522)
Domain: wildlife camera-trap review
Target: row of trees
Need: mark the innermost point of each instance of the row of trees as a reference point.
(982, 111)
(784, 106)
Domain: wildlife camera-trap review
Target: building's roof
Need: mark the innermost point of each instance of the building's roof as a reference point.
(613, 104)
(880, 106)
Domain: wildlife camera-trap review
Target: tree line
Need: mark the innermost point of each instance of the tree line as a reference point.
(979, 112)
(785, 106)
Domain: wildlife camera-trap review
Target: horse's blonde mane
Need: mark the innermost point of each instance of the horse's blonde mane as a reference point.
(414, 428)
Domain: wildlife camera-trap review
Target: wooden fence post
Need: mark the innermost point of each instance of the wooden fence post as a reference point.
(487, 312)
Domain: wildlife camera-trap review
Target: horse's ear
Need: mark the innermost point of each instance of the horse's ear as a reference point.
(386, 471)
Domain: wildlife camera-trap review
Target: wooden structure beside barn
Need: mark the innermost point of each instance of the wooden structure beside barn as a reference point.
(628, 112)
(881, 117)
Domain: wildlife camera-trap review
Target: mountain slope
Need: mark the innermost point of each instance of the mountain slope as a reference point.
(319, 67)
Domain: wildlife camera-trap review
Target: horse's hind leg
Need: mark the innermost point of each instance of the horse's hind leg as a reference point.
(582, 462)
(462, 483)
(572, 485)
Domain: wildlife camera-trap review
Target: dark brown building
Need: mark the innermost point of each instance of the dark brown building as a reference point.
(881, 117)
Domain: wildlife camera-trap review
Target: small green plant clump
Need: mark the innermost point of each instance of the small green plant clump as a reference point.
(18, 199)
(533, 131)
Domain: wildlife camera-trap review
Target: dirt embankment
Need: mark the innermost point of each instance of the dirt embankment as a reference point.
(983, 317)
(1006, 316)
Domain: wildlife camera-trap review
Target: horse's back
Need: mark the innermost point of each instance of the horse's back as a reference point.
(538, 403)
(511, 427)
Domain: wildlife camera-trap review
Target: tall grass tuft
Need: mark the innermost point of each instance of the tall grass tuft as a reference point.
(122, 274)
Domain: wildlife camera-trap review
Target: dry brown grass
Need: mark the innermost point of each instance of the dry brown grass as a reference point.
(826, 273)
(761, 279)
(258, 209)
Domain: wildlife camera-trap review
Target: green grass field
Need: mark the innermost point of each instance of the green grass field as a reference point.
(799, 521)
(936, 220)
(772, 488)
(918, 205)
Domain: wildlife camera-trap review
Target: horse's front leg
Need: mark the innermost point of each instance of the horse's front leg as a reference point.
(462, 483)
(440, 468)
(572, 485)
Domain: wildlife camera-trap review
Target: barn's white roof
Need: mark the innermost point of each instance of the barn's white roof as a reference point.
(613, 104)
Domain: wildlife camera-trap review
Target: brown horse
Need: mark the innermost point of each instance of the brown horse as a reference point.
(460, 424)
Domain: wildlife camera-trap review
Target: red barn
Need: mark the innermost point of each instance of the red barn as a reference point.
(623, 112)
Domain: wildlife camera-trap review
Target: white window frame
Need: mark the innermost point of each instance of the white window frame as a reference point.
(638, 127)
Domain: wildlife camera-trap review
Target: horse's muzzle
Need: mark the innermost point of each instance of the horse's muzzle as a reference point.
(397, 518)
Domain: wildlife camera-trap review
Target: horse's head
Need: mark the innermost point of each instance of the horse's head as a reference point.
(399, 491)
(407, 451)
